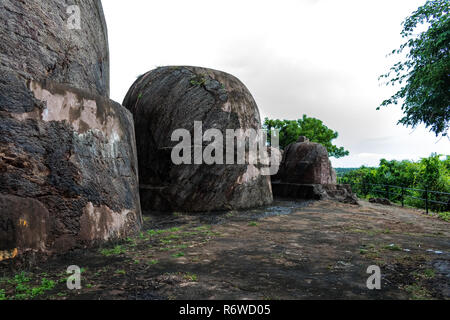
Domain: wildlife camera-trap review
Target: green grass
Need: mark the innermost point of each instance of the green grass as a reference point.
(417, 292)
(46, 285)
(19, 278)
(203, 228)
(252, 224)
(425, 274)
(198, 80)
(23, 289)
(171, 237)
(429, 273)
(121, 272)
(153, 262)
(444, 216)
(178, 255)
(191, 277)
(113, 252)
(393, 247)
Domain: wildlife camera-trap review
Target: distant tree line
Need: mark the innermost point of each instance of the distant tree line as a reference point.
(430, 173)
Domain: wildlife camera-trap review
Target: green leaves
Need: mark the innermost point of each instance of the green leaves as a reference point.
(312, 128)
(430, 173)
(424, 72)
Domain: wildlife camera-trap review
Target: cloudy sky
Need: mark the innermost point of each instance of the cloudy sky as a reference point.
(321, 58)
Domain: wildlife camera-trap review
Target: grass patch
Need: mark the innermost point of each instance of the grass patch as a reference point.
(198, 80)
(418, 292)
(113, 252)
(153, 262)
(444, 216)
(178, 255)
(393, 247)
(252, 224)
(425, 274)
(2, 295)
(172, 237)
(23, 289)
(190, 277)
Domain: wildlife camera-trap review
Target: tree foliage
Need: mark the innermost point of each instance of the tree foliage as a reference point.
(429, 173)
(312, 128)
(424, 73)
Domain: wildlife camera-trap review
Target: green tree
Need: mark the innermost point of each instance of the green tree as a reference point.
(312, 128)
(424, 72)
(429, 173)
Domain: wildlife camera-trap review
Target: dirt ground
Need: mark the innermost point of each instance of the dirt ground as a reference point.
(291, 250)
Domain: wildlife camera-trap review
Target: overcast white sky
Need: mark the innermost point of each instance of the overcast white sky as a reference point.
(321, 58)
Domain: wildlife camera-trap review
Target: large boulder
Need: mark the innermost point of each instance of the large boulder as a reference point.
(41, 40)
(71, 165)
(170, 98)
(306, 162)
(68, 166)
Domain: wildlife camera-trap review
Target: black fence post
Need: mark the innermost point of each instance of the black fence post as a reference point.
(403, 196)
(426, 200)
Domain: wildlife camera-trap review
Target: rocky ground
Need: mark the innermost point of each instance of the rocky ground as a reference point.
(292, 250)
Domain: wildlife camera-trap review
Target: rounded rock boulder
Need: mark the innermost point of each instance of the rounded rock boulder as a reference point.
(306, 162)
(170, 98)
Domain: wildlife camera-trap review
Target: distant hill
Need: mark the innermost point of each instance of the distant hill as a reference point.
(341, 171)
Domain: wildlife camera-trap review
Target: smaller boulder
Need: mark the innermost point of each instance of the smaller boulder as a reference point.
(306, 162)
(306, 173)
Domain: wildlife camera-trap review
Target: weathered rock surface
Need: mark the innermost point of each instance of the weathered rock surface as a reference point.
(307, 163)
(68, 170)
(36, 43)
(68, 167)
(24, 223)
(170, 98)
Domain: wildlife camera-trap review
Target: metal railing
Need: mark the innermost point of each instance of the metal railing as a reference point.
(399, 193)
